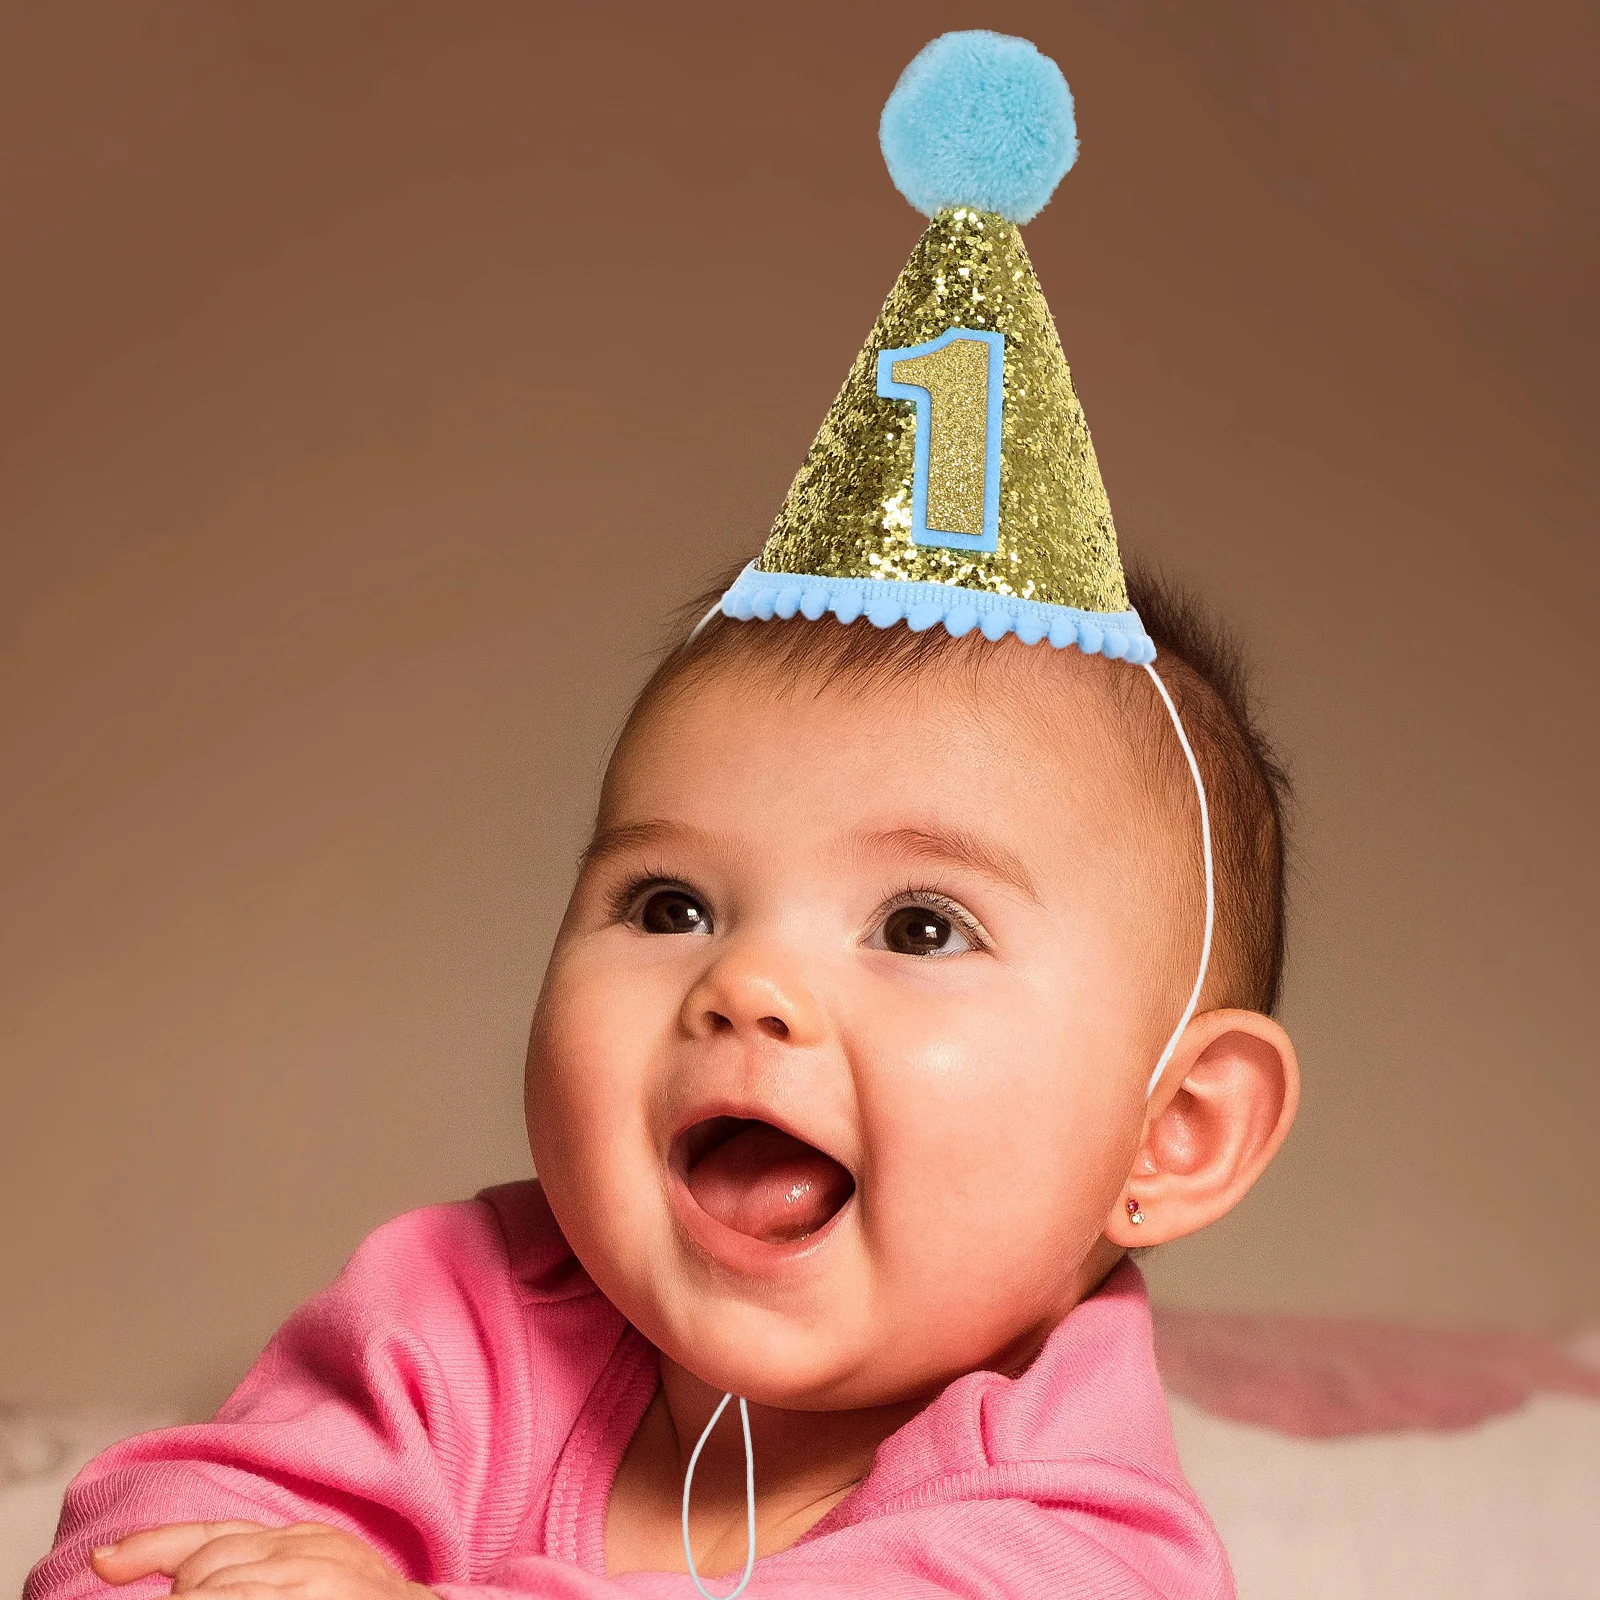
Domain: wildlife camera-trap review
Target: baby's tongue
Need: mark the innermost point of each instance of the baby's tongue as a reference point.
(768, 1184)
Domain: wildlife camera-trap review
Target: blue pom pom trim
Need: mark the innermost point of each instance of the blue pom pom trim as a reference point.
(1117, 635)
(982, 120)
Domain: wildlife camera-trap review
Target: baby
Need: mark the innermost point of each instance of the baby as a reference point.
(839, 1088)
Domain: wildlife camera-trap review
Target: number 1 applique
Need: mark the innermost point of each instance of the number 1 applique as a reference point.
(957, 384)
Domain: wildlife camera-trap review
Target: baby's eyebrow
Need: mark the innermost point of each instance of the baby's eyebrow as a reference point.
(959, 846)
(624, 837)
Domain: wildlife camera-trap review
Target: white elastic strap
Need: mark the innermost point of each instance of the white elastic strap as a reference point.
(749, 1500)
(695, 634)
(1211, 902)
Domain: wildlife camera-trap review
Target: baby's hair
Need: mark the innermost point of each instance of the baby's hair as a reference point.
(1203, 669)
(1250, 796)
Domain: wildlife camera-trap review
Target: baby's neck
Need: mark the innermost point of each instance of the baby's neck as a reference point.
(799, 1454)
(806, 1463)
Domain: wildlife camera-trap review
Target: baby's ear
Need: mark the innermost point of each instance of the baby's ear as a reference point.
(1222, 1108)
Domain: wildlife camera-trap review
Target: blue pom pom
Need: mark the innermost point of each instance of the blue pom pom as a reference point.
(979, 119)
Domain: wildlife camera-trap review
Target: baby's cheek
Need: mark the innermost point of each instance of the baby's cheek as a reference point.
(586, 1128)
(997, 1156)
(582, 1067)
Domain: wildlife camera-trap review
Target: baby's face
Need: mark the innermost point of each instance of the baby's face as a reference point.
(838, 1071)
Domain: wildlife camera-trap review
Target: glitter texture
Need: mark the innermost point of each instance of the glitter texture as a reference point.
(848, 512)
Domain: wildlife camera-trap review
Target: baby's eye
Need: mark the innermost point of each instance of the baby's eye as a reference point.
(922, 930)
(671, 910)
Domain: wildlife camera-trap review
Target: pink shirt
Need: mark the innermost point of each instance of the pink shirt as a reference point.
(461, 1396)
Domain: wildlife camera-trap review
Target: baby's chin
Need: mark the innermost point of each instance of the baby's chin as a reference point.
(850, 1352)
(796, 1369)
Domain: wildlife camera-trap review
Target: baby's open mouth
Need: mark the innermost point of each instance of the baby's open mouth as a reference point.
(759, 1180)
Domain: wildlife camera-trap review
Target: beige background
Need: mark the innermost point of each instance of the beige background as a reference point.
(376, 376)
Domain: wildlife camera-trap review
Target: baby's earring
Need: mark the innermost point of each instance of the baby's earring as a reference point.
(1135, 1215)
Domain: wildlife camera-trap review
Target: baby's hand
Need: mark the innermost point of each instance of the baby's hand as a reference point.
(247, 1561)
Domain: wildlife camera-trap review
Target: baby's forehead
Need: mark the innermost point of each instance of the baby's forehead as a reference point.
(1056, 717)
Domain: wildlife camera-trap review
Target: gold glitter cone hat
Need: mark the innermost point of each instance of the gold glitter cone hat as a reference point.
(953, 480)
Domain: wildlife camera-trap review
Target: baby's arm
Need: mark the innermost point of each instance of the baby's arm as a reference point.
(395, 1407)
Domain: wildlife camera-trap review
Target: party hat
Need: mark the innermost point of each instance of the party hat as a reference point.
(953, 480)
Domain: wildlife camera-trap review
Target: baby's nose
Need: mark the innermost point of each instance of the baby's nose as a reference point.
(757, 994)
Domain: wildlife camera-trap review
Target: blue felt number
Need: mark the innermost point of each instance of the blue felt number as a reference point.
(959, 402)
